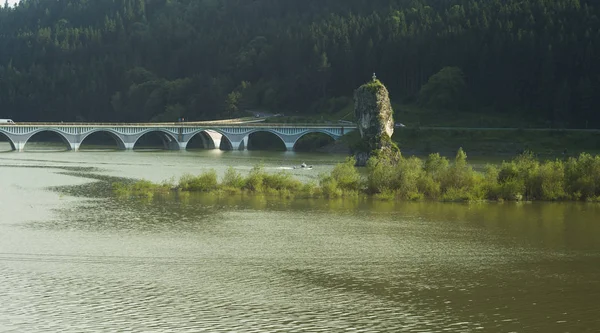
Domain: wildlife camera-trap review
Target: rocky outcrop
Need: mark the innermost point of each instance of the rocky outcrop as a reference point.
(374, 117)
(373, 110)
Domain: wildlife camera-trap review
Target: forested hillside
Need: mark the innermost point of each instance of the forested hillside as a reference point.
(138, 60)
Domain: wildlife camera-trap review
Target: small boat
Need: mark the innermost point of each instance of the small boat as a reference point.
(303, 166)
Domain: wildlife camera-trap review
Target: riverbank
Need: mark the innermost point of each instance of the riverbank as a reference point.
(495, 143)
(498, 141)
(435, 178)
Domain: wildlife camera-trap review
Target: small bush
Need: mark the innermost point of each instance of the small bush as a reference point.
(386, 195)
(329, 187)
(204, 182)
(380, 175)
(309, 190)
(454, 194)
(254, 181)
(346, 175)
(552, 181)
(408, 173)
(280, 181)
(511, 189)
(489, 183)
(120, 189)
(232, 179)
(428, 187)
(583, 176)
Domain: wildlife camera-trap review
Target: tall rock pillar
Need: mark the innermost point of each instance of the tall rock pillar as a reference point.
(374, 117)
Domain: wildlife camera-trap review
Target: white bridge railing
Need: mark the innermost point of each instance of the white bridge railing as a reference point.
(181, 124)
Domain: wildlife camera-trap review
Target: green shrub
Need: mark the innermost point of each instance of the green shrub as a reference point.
(508, 171)
(552, 181)
(380, 175)
(120, 189)
(233, 179)
(454, 194)
(582, 175)
(408, 173)
(254, 181)
(459, 175)
(428, 187)
(459, 181)
(204, 182)
(346, 175)
(527, 167)
(436, 167)
(280, 181)
(490, 185)
(329, 187)
(309, 190)
(511, 189)
(386, 195)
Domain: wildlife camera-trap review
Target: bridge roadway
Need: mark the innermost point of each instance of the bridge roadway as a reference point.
(175, 136)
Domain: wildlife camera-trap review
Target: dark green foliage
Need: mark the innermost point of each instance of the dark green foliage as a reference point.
(355, 142)
(126, 60)
(445, 89)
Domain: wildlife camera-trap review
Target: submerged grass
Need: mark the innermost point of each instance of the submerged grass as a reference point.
(410, 179)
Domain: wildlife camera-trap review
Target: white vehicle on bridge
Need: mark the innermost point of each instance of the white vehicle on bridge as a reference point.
(7, 121)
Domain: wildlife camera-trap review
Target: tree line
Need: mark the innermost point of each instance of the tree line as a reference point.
(141, 60)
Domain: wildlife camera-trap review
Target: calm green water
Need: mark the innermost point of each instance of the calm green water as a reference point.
(75, 259)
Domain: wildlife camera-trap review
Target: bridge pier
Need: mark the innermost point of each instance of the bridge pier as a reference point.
(240, 145)
(19, 146)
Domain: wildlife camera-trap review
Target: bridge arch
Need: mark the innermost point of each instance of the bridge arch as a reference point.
(225, 140)
(112, 133)
(3, 134)
(168, 139)
(211, 139)
(318, 131)
(246, 139)
(61, 135)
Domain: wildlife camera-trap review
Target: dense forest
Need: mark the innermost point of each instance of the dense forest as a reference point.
(139, 60)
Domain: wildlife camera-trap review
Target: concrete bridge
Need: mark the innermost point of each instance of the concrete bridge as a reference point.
(175, 136)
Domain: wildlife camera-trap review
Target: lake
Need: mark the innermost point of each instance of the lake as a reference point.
(74, 258)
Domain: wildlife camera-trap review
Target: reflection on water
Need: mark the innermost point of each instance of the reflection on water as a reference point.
(77, 259)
